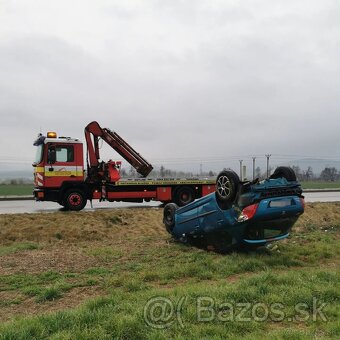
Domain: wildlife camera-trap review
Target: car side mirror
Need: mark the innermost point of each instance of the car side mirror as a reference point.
(52, 155)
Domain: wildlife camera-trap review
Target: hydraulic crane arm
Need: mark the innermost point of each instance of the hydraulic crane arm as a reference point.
(117, 143)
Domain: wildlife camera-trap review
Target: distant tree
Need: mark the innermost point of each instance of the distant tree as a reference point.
(168, 173)
(329, 174)
(162, 171)
(309, 173)
(211, 174)
(297, 171)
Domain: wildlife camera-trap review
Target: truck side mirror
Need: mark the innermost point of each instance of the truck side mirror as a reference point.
(51, 155)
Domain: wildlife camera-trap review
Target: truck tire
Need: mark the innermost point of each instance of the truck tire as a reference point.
(285, 172)
(75, 199)
(184, 196)
(169, 216)
(227, 184)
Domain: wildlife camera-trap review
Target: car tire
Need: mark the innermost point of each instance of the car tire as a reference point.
(284, 172)
(227, 184)
(169, 216)
(75, 200)
(184, 196)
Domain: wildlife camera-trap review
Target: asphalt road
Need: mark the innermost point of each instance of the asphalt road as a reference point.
(30, 206)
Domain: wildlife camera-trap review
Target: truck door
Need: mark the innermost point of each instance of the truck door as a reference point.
(61, 165)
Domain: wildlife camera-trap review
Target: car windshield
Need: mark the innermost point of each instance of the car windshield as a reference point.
(38, 155)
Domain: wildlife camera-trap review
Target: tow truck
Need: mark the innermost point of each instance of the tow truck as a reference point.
(60, 176)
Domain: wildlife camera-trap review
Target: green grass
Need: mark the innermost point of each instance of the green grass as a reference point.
(320, 185)
(131, 260)
(16, 247)
(122, 315)
(288, 274)
(16, 190)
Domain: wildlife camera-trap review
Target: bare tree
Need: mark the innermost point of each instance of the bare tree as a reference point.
(297, 171)
(309, 173)
(329, 174)
(162, 171)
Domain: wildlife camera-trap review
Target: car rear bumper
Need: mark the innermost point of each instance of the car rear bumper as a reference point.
(265, 241)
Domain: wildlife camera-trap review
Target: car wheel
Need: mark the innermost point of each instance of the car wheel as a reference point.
(227, 184)
(75, 200)
(169, 216)
(285, 172)
(184, 196)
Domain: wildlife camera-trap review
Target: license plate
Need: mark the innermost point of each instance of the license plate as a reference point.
(280, 203)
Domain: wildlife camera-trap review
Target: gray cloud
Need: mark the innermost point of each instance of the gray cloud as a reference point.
(179, 80)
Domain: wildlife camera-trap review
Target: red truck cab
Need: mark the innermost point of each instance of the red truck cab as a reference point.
(58, 161)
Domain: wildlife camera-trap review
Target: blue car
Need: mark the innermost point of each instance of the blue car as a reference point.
(239, 213)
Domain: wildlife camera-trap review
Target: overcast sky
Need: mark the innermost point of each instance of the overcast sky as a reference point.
(184, 82)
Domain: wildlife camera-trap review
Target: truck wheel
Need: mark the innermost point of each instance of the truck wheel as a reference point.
(184, 196)
(169, 216)
(227, 184)
(285, 172)
(74, 200)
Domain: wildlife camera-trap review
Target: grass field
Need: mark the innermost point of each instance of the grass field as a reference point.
(118, 274)
(16, 190)
(320, 185)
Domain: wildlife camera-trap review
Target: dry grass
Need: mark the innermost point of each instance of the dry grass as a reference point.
(71, 243)
(91, 253)
(320, 215)
(73, 227)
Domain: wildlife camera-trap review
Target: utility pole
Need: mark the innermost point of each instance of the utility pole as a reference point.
(254, 167)
(201, 169)
(268, 156)
(241, 160)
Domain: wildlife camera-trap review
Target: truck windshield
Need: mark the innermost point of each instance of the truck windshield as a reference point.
(39, 154)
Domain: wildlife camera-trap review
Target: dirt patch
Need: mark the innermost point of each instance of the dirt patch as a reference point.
(59, 258)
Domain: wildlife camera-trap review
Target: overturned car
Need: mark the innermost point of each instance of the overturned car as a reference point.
(239, 213)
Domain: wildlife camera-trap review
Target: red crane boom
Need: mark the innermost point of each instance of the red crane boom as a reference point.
(142, 166)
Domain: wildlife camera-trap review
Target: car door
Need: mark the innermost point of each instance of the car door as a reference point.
(210, 217)
(186, 221)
